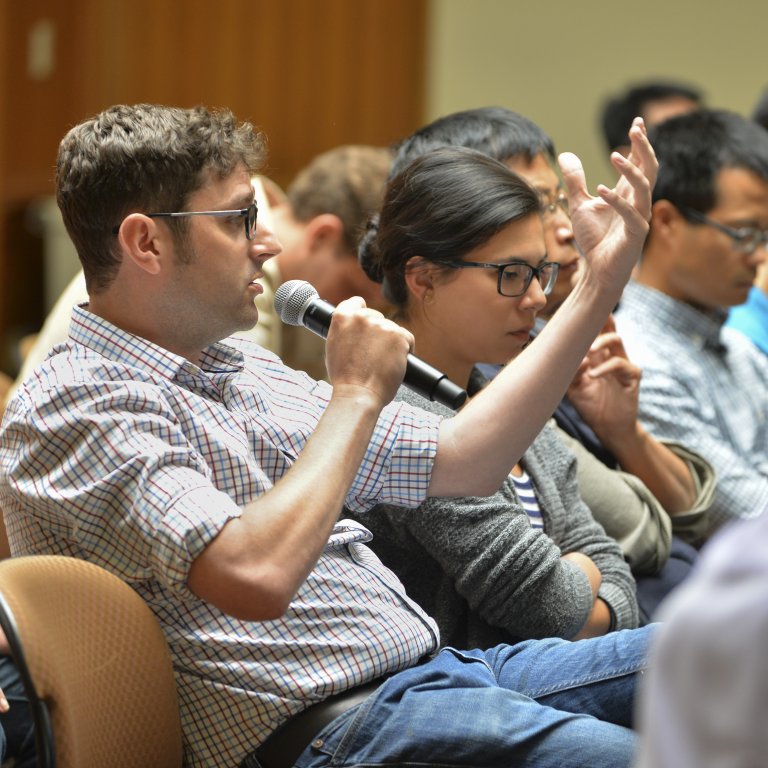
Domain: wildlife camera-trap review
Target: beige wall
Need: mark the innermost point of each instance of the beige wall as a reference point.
(556, 61)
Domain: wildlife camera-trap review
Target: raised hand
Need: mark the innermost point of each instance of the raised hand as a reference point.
(611, 227)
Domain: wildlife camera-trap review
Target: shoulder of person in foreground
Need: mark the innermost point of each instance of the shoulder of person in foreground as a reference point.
(704, 700)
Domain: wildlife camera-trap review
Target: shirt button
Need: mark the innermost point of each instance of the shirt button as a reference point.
(317, 743)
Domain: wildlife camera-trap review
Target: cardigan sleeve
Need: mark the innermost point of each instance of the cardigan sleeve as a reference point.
(509, 574)
(626, 509)
(570, 523)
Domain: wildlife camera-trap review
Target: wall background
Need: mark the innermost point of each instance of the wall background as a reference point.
(556, 61)
(317, 73)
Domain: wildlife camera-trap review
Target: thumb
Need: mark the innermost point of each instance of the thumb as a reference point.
(573, 176)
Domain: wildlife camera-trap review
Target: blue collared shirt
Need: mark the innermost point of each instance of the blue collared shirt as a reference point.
(751, 318)
(703, 386)
(121, 453)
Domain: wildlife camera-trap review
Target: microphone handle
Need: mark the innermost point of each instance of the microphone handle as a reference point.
(428, 382)
(420, 376)
(317, 316)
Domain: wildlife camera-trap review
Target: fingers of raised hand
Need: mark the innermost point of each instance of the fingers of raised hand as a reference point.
(635, 215)
(641, 153)
(637, 187)
(573, 178)
(638, 170)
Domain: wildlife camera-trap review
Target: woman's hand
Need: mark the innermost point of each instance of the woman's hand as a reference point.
(611, 228)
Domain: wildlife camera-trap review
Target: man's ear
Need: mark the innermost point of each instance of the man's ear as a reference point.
(666, 220)
(326, 232)
(143, 242)
(420, 278)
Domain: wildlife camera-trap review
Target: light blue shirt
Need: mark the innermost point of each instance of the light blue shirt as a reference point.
(122, 453)
(751, 318)
(704, 386)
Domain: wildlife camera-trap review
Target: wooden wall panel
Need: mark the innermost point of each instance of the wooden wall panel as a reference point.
(312, 74)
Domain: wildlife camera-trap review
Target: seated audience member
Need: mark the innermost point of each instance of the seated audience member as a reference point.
(460, 250)
(318, 226)
(619, 500)
(653, 101)
(751, 318)
(210, 476)
(55, 329)
(704, 701)
(317, 223)
(704, 384)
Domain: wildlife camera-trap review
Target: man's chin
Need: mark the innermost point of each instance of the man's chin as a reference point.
(739, 296)
(249, 319)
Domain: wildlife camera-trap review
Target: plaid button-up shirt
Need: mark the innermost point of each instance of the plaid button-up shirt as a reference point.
(121, 453)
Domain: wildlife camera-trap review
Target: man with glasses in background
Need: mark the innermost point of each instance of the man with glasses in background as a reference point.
(703, 384)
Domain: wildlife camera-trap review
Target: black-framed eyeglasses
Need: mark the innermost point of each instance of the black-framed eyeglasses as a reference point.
(745, 239)
(249, 215)
(552, 202)
(515, 276)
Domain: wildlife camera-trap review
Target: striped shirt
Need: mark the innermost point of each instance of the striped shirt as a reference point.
(121, 453)
(527, 496)
(704, 386)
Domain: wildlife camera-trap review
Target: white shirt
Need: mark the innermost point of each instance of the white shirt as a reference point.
(704, 701)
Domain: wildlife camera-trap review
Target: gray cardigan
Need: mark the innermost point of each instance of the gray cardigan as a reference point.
(476, 565)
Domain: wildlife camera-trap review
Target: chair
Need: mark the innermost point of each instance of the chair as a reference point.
(94, 663)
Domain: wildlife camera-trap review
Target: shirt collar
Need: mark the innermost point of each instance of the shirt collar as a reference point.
(115, 344)
(702, 327)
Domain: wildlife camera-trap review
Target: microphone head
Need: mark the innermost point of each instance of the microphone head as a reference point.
(291, 299)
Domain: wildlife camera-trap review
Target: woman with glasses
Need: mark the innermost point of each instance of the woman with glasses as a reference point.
(652, 497)
(459, 248)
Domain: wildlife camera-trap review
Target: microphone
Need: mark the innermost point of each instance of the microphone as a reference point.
(298, 303)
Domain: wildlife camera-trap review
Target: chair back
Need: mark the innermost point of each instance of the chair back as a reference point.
(95, 664)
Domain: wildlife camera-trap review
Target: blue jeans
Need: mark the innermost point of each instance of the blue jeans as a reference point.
(536, 703)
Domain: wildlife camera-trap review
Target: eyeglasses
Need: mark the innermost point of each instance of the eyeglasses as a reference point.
(745, 239)
(515, 276)
(249, 215)
(551, 202)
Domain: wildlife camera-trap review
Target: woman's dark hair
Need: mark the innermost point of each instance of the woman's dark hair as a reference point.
(443, 205)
